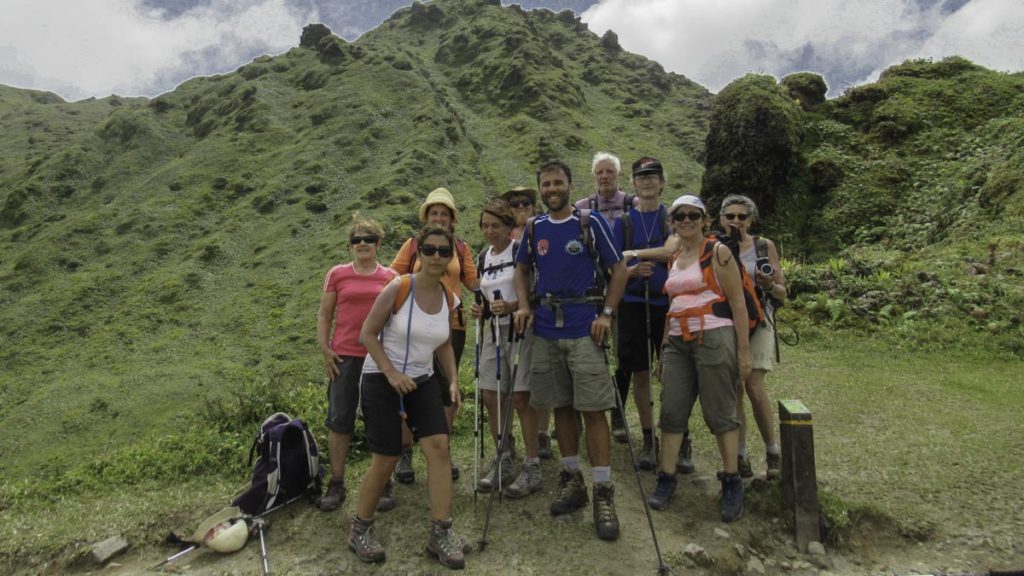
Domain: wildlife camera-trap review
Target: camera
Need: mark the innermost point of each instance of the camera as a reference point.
(764, 266)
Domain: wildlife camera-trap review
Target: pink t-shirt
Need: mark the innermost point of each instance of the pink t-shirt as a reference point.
(356, 294)
(690, 280)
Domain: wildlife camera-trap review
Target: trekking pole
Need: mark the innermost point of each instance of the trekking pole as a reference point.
(477, 448)
(259, 522)
(504, 432)
(650, 355)
(662, 567)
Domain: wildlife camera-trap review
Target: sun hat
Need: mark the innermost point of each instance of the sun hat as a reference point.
(439, 196)
(520, 191)
(226, 531)
(687, 200)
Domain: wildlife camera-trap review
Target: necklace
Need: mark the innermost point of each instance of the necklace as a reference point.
(654, 227)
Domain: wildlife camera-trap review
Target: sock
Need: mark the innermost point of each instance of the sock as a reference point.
(571, 462)
(774, 449)
(602, 473)
(529, 460)
(742, 451)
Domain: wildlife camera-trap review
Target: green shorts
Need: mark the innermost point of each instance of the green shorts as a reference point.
(762, 348)
(706, 370)
(570, 372)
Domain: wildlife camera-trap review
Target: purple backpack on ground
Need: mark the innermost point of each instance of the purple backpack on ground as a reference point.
(288, 465)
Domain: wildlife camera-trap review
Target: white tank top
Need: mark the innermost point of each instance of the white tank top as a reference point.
(429, 332)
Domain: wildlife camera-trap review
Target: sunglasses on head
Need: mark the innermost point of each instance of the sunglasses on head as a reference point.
(368, 239)
(683, 216)
(442, 251)
(520, 203)
(742, 217)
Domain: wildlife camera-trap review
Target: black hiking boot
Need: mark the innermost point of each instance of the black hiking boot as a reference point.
(685, 463)
(618, 427)
(490, 479)
(363, 541)
(648, 459)
(387, 500)
(743, 466)
(731, 505)
(774, 462)
(403, 470)
(444, 545)
(605, 519)
(335, 495)
(663, 491)
(572, 493)
(544, 441)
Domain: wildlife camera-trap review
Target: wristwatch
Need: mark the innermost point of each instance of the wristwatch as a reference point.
(607, 311)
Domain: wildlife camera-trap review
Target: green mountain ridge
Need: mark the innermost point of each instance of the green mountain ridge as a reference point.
(157, 253)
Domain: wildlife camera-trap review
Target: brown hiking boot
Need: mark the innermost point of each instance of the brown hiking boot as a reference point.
(335, 495)
(387, 500)
(743, 466)
(605, 519)
(572, 493)
(363, 541)
(774, 466)
(445, 545)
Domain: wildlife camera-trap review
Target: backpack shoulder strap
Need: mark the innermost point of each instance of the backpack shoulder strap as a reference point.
(529, 237)
(414, 245)
(627, 203)
(480, 261)
(592, 201)
(761, 247)
(627, 230)
(664, 231)
(404, 286)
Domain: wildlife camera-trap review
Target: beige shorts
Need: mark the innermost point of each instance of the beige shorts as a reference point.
(762, 348)
(570, 372)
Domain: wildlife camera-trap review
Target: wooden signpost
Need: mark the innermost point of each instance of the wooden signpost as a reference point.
(799, 480)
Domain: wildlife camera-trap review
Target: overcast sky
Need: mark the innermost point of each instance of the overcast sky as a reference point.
(80, 48)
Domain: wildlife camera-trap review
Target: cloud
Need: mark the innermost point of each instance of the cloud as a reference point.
(716, 41)
(120, 46)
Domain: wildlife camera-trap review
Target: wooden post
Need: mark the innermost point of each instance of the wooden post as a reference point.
(799, 480)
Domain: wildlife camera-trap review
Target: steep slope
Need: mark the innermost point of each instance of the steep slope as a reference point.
(159, 252)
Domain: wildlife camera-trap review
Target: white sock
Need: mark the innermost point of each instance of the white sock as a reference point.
(571, 462)
(602, 473)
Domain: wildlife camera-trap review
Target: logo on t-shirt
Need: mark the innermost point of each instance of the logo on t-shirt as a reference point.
(542, 247)
(574, 248)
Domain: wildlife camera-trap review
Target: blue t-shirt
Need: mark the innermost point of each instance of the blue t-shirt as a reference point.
(565, 268)
(647, 233)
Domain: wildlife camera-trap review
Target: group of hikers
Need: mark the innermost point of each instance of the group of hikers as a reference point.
(553, 295)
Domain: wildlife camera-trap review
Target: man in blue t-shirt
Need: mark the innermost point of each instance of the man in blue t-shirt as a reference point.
(641, 317)
(569, 252)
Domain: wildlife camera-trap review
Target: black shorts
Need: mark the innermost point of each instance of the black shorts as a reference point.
(631, 344)
(343, 395)
(423, 408)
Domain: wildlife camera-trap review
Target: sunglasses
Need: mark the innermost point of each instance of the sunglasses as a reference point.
(442, 251)
(520, 203)
(683, 216)
(742, 217)
(368, 239)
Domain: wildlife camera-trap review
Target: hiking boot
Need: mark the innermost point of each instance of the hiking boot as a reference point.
(743, 466)
(455, 470)
(403, 470)
(664, 490)
(387, 500)
(529, 481)
(618, 427)
(648, 459)
(335, 495)
(685, 463)
(363, 541)
(490, 478)
(572, 493)
(444, 545)
(544, 441)
(731, 505)
(605, 519)
(774, 466)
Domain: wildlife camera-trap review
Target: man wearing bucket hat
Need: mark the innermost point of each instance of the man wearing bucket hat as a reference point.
(439, 210)
(567, 251)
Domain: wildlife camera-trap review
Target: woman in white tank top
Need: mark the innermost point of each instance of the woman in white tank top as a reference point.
(399, 385)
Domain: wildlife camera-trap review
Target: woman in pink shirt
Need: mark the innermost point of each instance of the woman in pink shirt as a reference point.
(349, 292)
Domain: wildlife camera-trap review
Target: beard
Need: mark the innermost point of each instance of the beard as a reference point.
(556, 202)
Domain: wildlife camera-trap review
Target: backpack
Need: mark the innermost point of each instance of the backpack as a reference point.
(627, 203)
(287, 466)
(601, 274)
(719, 306)
(405, 286)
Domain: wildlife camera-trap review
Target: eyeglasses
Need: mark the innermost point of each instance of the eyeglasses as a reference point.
(683, 216)
(368, 239)
(520, 203)
(442, 251)
(742, 217)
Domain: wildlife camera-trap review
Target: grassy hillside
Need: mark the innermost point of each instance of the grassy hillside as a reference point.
(159, 252)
